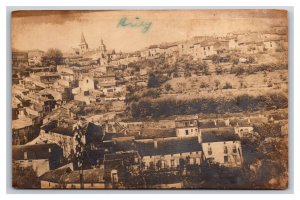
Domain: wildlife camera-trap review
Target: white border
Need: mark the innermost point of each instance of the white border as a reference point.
(5, 88)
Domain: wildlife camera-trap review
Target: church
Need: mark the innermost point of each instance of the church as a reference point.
(100, 54)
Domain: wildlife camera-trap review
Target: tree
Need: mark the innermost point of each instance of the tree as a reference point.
(168, 87)
(52, 57)
(251, 59)
(227, 86)
(216, 59)
(219, 69)
(155, 80)
(25, 178)
(217, 83)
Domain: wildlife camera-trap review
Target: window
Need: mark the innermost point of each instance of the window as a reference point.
(25, 155)
(209, 151)
(186, 132)
(163, 164)
(234, 149)
(191, 130)
(225, 149)
(87, 81)
(208, 48)
(225, 159)
(172, 163)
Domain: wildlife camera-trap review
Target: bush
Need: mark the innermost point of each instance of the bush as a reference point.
(219, 70)
(155, 80)
(227, 86)
(244, 103)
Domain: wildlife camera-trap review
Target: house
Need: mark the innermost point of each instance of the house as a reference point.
(107, 80)
(66, 178)
(170, 153)
(233, 43)
(154, 50)
(35, 57)
(187, 126)
(40, 157)
(62, 132)
(242, 127)
(19, 57)
(170, 49)
(145, 53)
(86, 84)
(223, 148)
(116, 165)
(272, 45)
(203, 49)
(23, 130)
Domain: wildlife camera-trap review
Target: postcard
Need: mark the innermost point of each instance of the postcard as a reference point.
(149, 99)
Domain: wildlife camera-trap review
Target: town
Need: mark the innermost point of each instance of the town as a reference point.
(208, 112)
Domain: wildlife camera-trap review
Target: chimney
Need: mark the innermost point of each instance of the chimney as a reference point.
(227, 122)
(200, 137)
(155, 143)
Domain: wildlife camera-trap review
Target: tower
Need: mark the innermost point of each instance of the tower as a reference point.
(102, 47)
(83, 45)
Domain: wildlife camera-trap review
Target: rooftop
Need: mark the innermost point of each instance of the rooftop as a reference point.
(34, 152)
(168, 146)
(219, 136)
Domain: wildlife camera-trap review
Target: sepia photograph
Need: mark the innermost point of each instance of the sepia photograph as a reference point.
(149, 99)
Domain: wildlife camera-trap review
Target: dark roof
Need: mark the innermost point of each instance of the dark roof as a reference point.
(56, 175)
(63, 130)
(94, 133)
(34, 152)
(219, 136)
(168, 146)
(240, 122)
(66, 175)
(126, 157)
(147, 133)
(110, 136)
(126, 145)
(211, 124)
(89, 176)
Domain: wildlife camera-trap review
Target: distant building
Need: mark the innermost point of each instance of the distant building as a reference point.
(187, 127)
(40, 157)
(83, 46)
(65, 178)
(23, 130)
(19, 57)
(170, 152)
(35, 57)
(223, 148)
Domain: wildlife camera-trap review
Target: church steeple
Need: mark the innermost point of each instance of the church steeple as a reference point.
(83, 39)
(83, 44)
(102, 47)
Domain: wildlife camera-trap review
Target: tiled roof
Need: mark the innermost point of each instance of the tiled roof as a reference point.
(34, 152)
(168, 146)
(219, 136)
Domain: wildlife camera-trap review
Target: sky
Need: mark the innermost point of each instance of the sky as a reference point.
(127, 30)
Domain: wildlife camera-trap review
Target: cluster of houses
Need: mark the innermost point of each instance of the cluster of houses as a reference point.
(89, 91)
(115, 148)
(200, 47)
